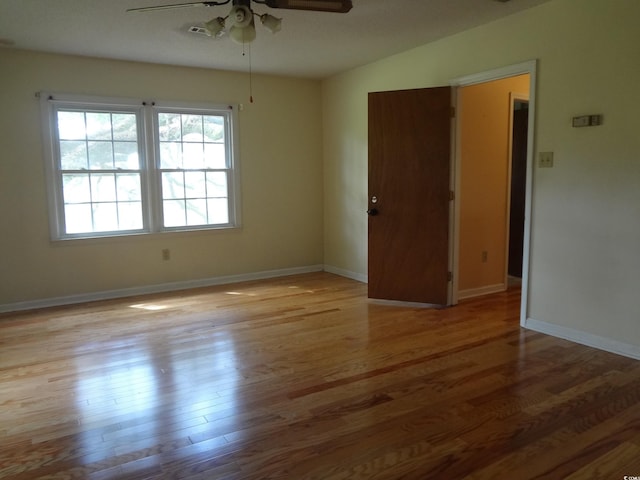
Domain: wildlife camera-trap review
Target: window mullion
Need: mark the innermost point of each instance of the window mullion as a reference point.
(150, 170)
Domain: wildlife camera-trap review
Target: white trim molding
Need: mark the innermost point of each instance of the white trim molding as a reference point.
(158, 288)
(477, 292)
(584, 338)
(360, 277)
(528, 66)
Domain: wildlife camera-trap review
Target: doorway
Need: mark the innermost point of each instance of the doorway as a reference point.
(492, 249)
(528, 70)
(486, 170)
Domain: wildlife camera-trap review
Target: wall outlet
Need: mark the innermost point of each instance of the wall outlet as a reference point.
(166, 254)
(545, 159)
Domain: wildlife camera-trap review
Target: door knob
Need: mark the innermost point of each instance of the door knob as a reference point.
(372, 212)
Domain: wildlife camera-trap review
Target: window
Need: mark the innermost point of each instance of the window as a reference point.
(121, 167)
(99, 171)
(193, 166)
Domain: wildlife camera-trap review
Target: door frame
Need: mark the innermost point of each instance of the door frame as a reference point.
(528, 67)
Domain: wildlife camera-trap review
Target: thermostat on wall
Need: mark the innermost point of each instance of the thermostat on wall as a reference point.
(587, 121)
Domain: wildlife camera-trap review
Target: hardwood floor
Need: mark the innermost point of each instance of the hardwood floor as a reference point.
(303, 378)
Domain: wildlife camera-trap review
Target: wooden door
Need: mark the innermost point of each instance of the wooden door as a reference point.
(409, 170)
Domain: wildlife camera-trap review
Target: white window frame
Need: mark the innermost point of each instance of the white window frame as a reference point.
(148, 154)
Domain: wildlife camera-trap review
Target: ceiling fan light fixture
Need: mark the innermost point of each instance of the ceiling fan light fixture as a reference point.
(215, 27)
(240, 22)
(271, 23)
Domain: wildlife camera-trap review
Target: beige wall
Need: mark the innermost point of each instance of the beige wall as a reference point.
(484, 111)
(585, 213)
(281, 172)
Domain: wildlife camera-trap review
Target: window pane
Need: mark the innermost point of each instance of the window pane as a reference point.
(173, 212)
(71, 126)
(128, 186)
(170, 155)
(75, 188)
(124, 126)
(217, 184)
(192, 155)
(213, 128)
(169, 127)
(172, 185)
(107, 184)
(77, 218)
(103, 188)
(195, 185)
(100, 155)
(105, 217)
(130, 215)
(215, 155)
(73, 155)
(126, 155)
(196, 212)
(218, 209)
(192, 128)
(98, 126)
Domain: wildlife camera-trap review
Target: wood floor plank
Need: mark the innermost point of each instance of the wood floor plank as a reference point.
(303, 377)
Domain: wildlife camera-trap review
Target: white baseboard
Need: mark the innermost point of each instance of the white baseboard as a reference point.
(159, 288)
(346, 273)
(584, 338)
(477, 292)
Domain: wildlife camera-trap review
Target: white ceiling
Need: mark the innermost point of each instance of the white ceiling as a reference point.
(310, 44)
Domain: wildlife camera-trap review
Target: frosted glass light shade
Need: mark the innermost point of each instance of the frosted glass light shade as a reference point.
(271, 23)
(215, 27)
(243, 35)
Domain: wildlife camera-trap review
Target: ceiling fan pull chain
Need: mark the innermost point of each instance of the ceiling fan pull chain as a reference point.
(250, 78)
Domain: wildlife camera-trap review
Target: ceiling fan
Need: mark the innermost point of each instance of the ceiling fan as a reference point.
(240, 20)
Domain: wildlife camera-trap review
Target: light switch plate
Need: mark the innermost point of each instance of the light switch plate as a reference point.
(545, 160)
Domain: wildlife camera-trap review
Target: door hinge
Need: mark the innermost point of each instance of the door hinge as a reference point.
(452, 195)
(453, 112)
(450, 276)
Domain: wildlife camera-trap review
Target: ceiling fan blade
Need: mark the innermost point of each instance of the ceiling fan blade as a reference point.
(338, 6)
(178, 5)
